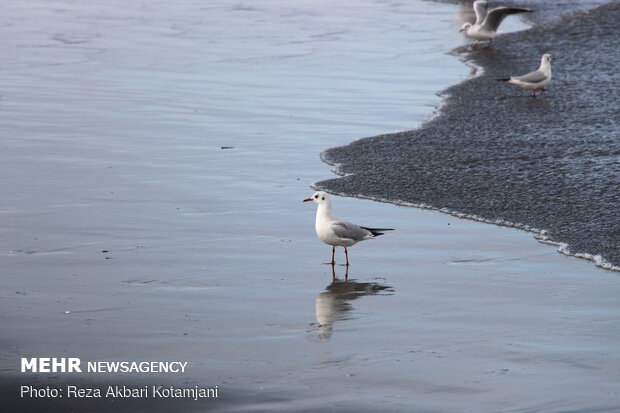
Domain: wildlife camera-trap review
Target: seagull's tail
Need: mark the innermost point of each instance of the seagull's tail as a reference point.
(503, 80)
(377, 231)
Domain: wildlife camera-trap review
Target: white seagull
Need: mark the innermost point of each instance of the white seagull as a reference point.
(487, 22)
(536, 80)
(336, 232)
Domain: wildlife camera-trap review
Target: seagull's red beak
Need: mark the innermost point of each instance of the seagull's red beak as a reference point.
(308, 199)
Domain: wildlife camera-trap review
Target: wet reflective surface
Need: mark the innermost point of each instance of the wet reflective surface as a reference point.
(335, 303)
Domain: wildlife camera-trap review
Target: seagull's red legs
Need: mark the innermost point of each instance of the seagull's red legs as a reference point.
(542, 89)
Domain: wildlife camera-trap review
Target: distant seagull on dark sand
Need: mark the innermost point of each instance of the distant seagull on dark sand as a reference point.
(487, 21)
(536, 80)
(336, 232)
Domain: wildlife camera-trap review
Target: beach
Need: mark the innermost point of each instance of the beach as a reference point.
(155, 213)
(549, 165)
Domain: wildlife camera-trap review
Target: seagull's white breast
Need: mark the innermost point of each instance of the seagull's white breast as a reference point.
(478, 33)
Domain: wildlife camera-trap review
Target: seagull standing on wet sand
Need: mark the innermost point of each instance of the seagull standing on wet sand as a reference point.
(536, 80)
(487, 22)
(336, 232)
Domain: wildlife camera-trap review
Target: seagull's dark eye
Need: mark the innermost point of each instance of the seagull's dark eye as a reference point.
(316, 196)
(323, 198)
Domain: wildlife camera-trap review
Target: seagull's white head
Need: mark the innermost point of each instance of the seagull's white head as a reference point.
(319, 198)
(547, 58)
(465, 27)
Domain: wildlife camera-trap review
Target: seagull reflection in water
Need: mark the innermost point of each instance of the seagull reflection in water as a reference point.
(333, 304)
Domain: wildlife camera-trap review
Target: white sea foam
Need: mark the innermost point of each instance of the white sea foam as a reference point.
(539, 234)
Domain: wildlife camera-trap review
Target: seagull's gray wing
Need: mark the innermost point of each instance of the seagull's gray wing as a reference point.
(497, 15)
(480, 8)
(344, 229)
(532, 77)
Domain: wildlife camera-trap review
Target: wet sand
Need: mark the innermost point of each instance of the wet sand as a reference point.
(138, 228)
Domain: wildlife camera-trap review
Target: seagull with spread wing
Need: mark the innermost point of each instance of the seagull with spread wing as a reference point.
(487, 21)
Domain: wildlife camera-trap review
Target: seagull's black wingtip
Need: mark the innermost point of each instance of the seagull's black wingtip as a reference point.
(377, 231)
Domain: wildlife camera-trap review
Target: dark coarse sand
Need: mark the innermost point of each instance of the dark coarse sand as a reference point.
(550, 163)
